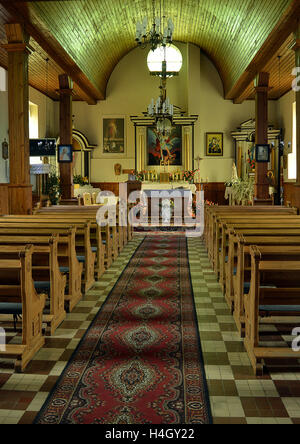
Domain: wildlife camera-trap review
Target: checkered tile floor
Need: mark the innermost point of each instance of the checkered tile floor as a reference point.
(236, 395)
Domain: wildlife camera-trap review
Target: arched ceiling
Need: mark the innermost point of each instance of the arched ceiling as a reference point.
(96, 34)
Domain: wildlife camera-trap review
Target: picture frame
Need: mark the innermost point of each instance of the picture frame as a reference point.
(65, 153)
(263, 153)
(113, 136)
(214, 144)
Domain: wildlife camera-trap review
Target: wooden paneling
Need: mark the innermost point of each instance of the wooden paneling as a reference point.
(292, 195)
(4, 207)
(107, 186)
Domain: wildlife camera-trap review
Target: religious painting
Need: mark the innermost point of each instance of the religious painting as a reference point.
(65, 153)
(114, 136)
(164, 150)
(262, 153)
(214, 144)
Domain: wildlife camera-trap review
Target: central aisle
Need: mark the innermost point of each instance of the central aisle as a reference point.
(140, 361)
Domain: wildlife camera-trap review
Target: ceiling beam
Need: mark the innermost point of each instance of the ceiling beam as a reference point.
(286, 25)
(52, 47)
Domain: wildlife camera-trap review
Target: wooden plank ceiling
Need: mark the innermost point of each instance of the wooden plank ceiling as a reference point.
(96, 34)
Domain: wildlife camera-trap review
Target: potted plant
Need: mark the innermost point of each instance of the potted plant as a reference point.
(53, 189)
(80, 181)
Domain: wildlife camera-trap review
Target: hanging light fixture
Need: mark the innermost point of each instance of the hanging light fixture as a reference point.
(155, 37)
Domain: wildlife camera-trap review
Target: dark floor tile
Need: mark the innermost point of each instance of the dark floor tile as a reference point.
(242, 372)
(3, 379)
(39, 367)
(49, 384)
(28, 418)
(15, 400)
(216, 358)
(72, 325)
(56, 343)
(222, 388)
(211, 336)
(235, 347)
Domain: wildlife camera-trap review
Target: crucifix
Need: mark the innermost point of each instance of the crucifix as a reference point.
(198, 160)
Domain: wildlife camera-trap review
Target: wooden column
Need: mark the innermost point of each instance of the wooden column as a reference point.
(66, 99)
(296, 48)
(262, 196)
(20, 189)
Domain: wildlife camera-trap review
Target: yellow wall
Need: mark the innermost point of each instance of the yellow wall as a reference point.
(197, 90)
(50, 129)
(285, 120)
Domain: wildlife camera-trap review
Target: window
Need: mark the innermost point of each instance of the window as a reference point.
(34, 129)
(2, 80)
(171, 54)
(292, 164)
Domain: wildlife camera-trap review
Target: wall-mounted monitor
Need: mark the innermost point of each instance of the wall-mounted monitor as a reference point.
(42, 147)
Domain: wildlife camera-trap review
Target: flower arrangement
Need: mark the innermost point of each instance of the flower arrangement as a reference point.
(189, 176)
(79, 180)
(243, 191)
(53, 188)
(139, 176)
(252, 164)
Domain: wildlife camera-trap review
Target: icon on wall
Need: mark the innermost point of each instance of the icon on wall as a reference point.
(214, 144)
(114, 136)
(65, 153)
(262, 153)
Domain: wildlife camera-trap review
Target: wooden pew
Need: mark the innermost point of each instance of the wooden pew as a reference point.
(45, 273)
(110, 234)
(83, 246)
(279, 266)
(212, 213)
(221, 220)
(228, 225)
(243, 267)
(18, 294)
(67, 257)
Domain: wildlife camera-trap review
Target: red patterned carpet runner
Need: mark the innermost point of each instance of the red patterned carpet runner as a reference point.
(140, 362)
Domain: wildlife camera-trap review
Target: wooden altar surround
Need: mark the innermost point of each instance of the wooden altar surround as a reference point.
(20, 189)
(65, 121)
(262, 195)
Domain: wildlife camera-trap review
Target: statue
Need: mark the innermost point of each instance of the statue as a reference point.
(118, 169)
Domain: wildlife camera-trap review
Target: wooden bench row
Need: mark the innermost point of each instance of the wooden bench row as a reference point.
(67, 251)
(255, 255)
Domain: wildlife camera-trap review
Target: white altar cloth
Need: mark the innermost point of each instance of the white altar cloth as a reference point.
(153, 186)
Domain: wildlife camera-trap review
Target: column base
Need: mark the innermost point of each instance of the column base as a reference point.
(20, 199)
(261, 202)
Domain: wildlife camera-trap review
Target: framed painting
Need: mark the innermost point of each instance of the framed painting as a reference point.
(65, 154)
(214, 144)
(114, 136)
(262, 153)
(164, 150)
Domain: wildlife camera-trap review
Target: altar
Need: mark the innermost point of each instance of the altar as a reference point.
(154, 186)
(169, 202)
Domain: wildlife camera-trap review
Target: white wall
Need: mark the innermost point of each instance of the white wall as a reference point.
(49, 129)
(285, 120)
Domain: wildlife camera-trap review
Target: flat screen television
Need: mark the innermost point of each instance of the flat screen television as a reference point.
(42, 147)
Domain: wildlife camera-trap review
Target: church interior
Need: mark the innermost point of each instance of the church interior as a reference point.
(149, 212)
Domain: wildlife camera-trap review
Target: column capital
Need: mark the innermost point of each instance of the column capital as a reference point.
(66, 92)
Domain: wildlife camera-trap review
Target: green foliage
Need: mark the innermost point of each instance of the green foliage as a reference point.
(53, 189)
(243, 191)
(79, 180)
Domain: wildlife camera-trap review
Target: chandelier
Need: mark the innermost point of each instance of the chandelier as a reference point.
(155, 37)
(162, 111)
